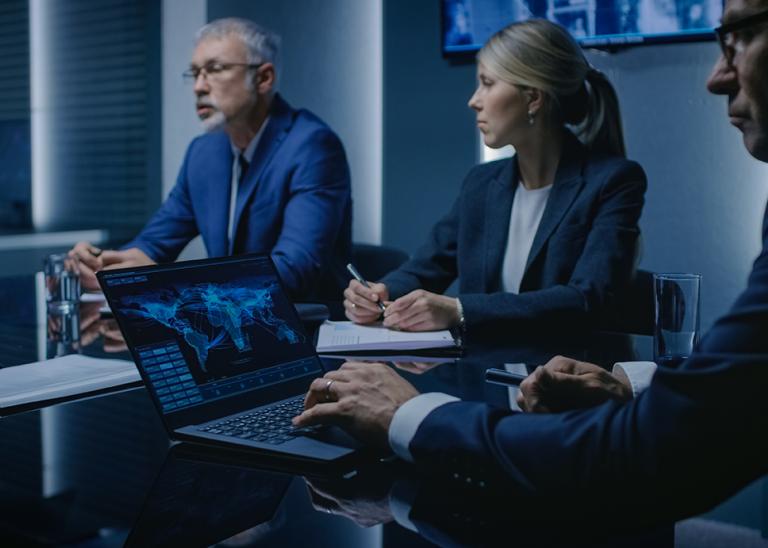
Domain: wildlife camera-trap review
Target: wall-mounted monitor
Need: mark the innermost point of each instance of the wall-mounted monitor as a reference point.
(467, 24)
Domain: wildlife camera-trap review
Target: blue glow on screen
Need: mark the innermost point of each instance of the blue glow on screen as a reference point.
(467, 24)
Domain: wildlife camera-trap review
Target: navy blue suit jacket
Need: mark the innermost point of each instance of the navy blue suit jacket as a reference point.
(696, 435)
(295, 203)
(585, 249)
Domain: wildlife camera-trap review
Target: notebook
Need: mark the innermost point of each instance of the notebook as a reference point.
(60, 379)
(223, 354)
(345, 336)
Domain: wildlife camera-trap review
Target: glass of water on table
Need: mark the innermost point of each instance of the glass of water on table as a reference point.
(676, 328)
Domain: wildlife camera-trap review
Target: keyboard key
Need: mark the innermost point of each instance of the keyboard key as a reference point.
(271, 425)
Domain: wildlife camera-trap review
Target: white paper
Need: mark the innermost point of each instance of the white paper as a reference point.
(389, 357)
(62, 377)
(348, 337)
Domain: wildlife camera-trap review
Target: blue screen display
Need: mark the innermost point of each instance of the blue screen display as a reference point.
(202, 333)
(467, 24)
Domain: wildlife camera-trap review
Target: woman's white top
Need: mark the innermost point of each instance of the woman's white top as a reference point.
(527, 210)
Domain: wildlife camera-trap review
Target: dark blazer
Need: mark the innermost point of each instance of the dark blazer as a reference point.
(585, 249)
(294, 203)
(695, 436)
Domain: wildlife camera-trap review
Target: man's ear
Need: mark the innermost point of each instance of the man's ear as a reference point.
(264, 79)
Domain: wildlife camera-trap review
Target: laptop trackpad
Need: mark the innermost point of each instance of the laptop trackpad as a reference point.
(334, 436)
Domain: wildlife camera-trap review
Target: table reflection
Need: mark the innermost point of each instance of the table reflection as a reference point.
(100, 470)
(99, 331)
(203, 498)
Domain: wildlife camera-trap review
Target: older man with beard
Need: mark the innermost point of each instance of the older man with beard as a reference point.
(264, 178)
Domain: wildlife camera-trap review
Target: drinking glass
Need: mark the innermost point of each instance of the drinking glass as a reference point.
(62, 281)
(62, 296)
(676, 328)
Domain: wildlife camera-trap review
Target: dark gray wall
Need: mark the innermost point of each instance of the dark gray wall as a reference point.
(706, 195)
(430, 139)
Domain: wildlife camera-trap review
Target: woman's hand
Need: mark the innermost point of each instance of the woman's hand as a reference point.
(361, 304)
(422, 311)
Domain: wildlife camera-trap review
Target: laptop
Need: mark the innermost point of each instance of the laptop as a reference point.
(223, 354)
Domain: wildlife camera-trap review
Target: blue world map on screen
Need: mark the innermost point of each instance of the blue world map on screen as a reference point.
(208, 315)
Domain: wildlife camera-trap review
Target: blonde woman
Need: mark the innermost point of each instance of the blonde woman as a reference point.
(548, 235)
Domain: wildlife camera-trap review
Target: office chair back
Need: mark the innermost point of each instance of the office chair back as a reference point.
(632, 311)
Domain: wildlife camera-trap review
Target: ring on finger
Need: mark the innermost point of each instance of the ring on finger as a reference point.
(328, 389)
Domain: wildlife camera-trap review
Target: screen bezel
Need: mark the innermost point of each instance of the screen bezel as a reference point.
(215, 409)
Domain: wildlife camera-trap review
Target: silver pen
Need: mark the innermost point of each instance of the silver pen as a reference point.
(502, 376)
(359, 278)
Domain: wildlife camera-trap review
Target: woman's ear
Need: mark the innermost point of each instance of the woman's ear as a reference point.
(536, 99)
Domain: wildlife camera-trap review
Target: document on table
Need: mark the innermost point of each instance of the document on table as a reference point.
(348, 337)
(392, 358)
(62, 377)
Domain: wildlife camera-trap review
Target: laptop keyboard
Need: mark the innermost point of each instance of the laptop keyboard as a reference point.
(271, 425)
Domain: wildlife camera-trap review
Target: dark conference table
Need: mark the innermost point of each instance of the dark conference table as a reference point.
(102, 472)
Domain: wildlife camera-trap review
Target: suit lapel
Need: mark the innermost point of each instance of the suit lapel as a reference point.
(280, 121)
(568, 183)
(498, 205)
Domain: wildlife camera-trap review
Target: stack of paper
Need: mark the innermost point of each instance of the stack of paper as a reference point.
(63, 377)
(350, 337)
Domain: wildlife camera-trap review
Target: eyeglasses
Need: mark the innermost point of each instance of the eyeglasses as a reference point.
(732, 37)
(213, 70)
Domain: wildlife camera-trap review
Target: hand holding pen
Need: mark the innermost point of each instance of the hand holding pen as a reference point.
(364, 302)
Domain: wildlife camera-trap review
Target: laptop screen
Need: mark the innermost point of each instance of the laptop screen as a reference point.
(204, 331)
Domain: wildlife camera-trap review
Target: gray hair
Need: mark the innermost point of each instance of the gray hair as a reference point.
(262, 44)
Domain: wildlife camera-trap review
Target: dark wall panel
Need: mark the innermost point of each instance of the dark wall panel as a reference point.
(430, 138)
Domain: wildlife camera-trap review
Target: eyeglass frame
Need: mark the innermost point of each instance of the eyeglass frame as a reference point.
(723, 31)
(192, 74)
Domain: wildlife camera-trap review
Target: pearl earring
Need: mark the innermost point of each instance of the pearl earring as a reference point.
(531, 117)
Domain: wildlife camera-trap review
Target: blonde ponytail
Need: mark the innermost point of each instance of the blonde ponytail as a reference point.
(540, 54)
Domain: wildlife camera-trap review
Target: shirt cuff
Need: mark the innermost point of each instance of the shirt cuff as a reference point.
(408, 418)
(401, 499)
(639, 374)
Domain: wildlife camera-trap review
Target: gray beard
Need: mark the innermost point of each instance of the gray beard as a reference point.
(214, 122)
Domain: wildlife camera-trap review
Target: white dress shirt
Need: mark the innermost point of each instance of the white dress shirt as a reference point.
(524, 219)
